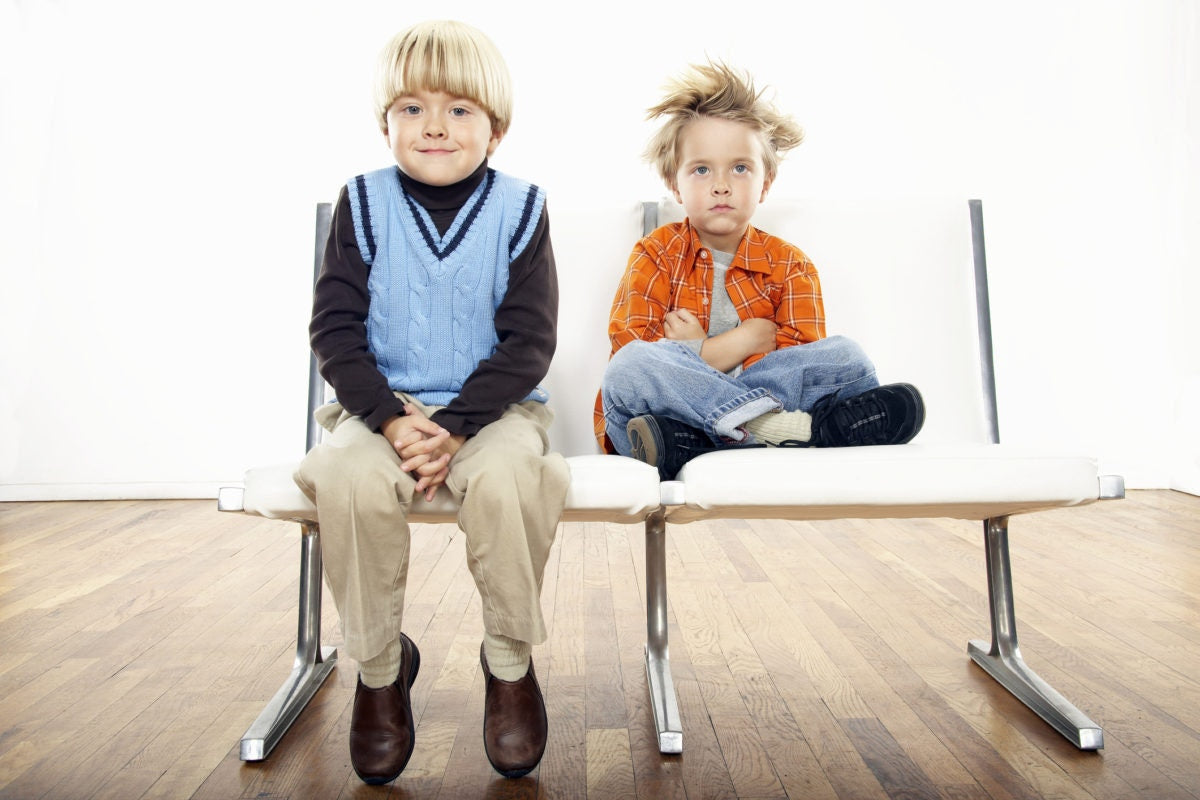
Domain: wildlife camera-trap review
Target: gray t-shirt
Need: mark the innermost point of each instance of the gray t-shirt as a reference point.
(722, 316)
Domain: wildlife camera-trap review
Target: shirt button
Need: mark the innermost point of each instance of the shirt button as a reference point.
(704, 254)
(704, 300)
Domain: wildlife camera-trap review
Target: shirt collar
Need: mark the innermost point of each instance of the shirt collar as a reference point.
(750, 255)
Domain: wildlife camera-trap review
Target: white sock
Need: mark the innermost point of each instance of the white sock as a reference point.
(507, 659)
(779, 426)
(383, 669)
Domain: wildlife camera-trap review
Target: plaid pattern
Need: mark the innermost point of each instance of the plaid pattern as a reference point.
(671, 269)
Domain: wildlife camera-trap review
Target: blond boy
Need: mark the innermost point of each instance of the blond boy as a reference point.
(436, 375)
(718, 328)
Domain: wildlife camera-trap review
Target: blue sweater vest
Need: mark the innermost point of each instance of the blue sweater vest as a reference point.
(434, 298)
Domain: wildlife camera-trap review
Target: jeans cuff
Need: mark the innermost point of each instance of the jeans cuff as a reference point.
(728, 426)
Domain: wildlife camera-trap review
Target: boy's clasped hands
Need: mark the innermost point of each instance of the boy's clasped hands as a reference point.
(425, 447)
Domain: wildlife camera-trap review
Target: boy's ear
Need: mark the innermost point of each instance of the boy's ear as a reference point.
(674, 189)
(494, 142)
(766, 187)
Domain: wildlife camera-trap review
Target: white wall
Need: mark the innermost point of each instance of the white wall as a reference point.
(159, 168)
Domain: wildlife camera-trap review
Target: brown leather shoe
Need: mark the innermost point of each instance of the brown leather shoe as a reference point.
(514, 722)
(382, 732)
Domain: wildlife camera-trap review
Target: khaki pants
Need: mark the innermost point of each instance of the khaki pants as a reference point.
(511, 492)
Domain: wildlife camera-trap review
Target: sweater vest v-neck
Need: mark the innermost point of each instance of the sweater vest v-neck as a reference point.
(433, 297)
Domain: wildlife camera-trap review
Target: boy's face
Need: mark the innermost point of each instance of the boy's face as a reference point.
(437, 138)
(721, 179)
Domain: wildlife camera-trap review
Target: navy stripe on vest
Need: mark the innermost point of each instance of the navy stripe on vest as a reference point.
(526, 213)
(361, 184)
(427, 235)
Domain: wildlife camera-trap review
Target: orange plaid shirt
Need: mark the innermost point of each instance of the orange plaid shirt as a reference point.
(671, 269)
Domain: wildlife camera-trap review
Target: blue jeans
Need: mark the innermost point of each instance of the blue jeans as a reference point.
(667, 378)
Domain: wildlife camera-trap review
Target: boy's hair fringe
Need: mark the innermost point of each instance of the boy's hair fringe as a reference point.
(445, 56)
(718, 91)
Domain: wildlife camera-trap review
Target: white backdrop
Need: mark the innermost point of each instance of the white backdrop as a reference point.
(159, 164)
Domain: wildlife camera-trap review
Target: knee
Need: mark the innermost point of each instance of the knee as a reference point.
(623, 367)
(353, 471)
(631, 357)
(516, 474)
(636, 363)
(849, 352)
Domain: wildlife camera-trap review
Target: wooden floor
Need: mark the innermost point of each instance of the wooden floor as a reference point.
(138, 640)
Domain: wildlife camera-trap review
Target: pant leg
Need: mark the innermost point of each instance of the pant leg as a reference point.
(799, 376)
(512, 490)
(670, 379)
(362, 498)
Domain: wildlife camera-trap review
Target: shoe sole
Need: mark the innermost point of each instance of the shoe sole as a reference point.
(645, 440)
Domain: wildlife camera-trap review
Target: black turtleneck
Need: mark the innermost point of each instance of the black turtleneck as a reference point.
(526, 320)
(443, 202)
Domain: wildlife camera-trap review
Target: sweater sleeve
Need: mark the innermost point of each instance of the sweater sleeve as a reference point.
(338, 331)
(527, 328)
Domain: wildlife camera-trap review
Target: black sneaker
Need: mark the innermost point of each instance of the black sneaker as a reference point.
(891, 414)
(664, 443)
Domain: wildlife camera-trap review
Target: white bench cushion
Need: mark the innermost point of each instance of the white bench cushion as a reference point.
(603, 488)
(973, 481)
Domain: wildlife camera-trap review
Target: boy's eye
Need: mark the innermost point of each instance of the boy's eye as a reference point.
(411, 110)
(459, 111)
(701, 170)
(741, 169)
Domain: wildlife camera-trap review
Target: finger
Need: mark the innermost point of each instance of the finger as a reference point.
(419, 462)
(438, 480)
(413, 463)
(420, 422)
(430, 468)
(431, 465)
(428, 478)
(405, 440)
(424, 446)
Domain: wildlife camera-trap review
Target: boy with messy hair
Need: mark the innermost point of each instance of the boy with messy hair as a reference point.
(717, 328)
(434, 318)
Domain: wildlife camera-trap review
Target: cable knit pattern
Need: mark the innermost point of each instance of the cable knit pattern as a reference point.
(430, 322)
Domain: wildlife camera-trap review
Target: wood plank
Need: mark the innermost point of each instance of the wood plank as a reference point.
(138, 639)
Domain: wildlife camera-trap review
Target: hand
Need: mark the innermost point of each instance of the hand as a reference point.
(425, 448)
(683, 325)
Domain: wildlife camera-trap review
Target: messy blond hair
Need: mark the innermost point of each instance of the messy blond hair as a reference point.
(444, 56)
(718, 91)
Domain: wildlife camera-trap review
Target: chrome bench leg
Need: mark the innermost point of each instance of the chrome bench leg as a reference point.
(312, 665)
(1003, 661)
(663, 700)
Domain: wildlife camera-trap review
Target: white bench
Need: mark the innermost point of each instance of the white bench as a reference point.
(905, 279)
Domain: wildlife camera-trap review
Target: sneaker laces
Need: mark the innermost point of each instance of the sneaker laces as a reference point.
(857, 419)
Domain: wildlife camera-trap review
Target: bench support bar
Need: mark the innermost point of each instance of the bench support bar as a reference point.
(312, 665)
(1002, 659)
(663, 700)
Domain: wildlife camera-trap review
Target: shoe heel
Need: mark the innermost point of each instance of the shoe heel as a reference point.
(416, 665)
(645, 440)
